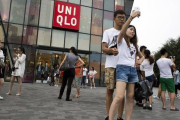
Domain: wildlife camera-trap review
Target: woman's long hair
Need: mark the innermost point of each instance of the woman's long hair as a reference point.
(73, 50)
(22, 49)
(148, 56)
(132, 40)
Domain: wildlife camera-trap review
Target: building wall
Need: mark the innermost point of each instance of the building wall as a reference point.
(29, 23)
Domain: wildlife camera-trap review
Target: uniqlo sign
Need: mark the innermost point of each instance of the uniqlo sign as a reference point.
(66, 15)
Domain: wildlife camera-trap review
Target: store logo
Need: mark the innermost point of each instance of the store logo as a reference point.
(66, 15)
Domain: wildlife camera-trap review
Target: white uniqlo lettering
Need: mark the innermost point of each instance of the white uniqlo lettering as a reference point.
(73, 21)
(59, 19)
(68, 10)
(62, 8)
(65, 21)
(74, 11)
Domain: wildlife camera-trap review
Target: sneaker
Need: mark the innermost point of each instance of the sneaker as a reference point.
(156, 97)
(150, 107)
(144, 106)
(107, 118)
(91, 87)
(1, 98)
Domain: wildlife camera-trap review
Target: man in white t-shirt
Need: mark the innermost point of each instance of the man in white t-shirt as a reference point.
(109, 46)
(166, 78)
(84, 76)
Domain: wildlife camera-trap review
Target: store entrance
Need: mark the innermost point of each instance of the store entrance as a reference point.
(45, 59)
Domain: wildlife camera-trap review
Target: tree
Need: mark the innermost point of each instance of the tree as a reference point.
(173, 48)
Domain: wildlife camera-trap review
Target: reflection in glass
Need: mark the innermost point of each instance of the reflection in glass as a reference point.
(2, 32)
(71, 40)
(108, 20)
(15, 33)
(119, 4)
(96, 43)
(4, 9)
(97, 22)
(85, 20)
(32, 12)
(83, 42)
(46, 14)
(17, 11)
(86, 2)
(29, 35)
(95, 62)
(62, 0)
(75, 1)
(44, 37)
(29, 71)
(109, 5)
(58, 38)
(98, 4)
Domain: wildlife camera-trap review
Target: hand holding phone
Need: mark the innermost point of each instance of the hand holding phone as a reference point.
(137, 9)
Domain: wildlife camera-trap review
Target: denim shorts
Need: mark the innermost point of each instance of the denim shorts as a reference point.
(126, 74)
(150, 78)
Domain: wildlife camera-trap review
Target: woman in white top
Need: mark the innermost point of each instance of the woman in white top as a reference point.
(18, 70)
(91, 74)
(1, 70)
(147, 66)
(126, 73)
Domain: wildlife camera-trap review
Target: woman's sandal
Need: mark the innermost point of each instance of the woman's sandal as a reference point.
(75, 96)
(163, 108)
(8, 93)
(176, 109)
(18, 94)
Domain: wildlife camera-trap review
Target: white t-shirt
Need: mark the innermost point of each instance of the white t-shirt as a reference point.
(126, 55)
(1, 55)
(92, 72)
(145, 66)
(110, 37)
(164, 65)
(84, 71)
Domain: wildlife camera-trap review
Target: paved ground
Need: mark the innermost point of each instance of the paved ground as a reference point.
(39, 102)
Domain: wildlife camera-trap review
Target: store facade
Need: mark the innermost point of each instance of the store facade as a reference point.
(48, 28)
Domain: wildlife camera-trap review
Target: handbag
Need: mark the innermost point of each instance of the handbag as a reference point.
(142, 90)
(65, 66)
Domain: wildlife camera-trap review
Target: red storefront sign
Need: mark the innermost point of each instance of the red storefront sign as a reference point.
(66, 15)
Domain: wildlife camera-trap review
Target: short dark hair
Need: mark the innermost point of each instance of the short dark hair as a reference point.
(119, 12)
(142, 48)
(163, 51)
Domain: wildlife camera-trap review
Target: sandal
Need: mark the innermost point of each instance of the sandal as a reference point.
(75, 96)
(8, 93)
(176, 109)
(18, 94)
(163, 108)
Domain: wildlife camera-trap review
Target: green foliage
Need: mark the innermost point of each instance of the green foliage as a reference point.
(173, 47)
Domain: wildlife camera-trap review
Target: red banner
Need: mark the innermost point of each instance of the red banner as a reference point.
(66, 15)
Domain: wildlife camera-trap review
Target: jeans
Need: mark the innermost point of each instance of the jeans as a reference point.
(68, 76)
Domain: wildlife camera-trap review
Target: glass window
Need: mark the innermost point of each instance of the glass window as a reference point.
(17, 11)
(44, 37)
(95, 60)
(86, 2)
(15, 33)
(85, 20)
(96, 43)
(29, 71)
(103, 60)
(109, 5)
(97, 22)
(108, 20)
(71, 40)
(46, 14)
(98, 4)
(83, 42)
(75, 1)
(63, 0)
(32, 12)
(2, 31)
(58, 38)
(29, 35)
(119, 4)
(4, 9)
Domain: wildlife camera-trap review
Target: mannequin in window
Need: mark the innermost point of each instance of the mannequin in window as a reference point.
(39, 70)
(46, 71)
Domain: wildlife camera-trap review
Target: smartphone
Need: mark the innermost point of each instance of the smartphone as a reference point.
(137, 9)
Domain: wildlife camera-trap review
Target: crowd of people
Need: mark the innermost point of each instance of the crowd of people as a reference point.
(125, 66)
